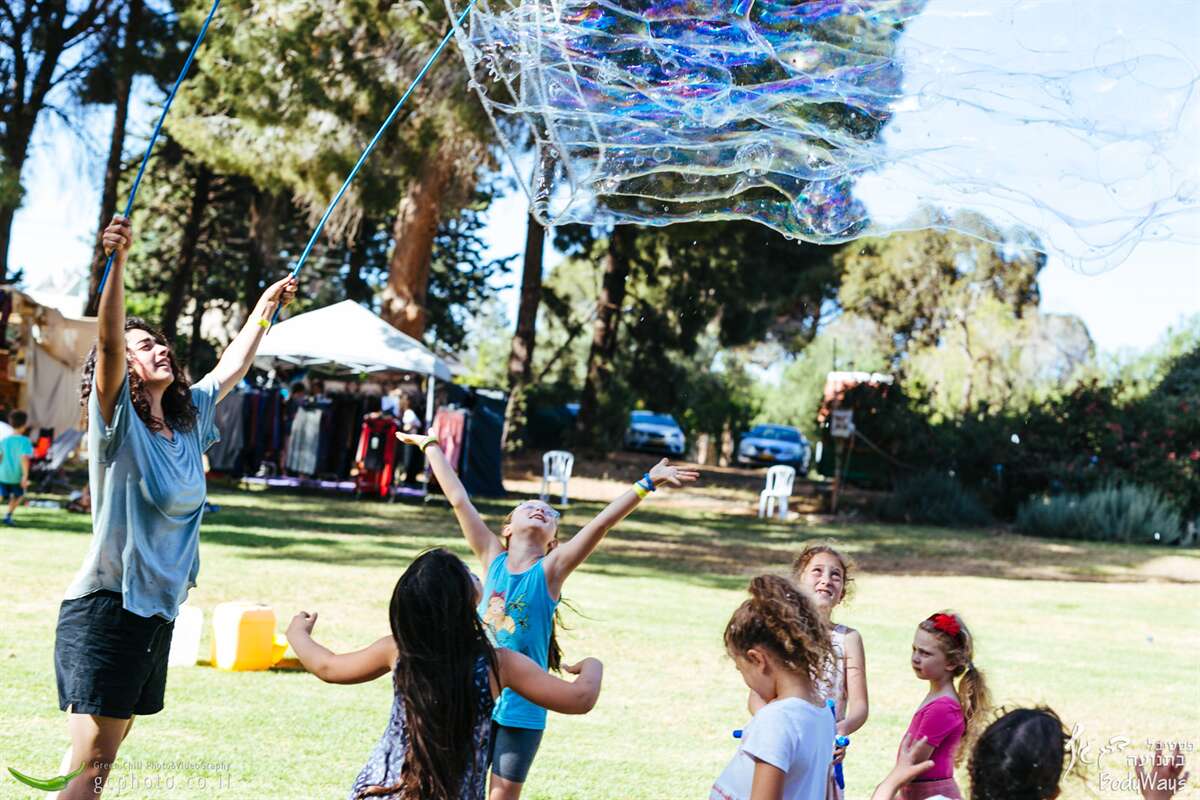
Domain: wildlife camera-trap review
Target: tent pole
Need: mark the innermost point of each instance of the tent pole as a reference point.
(429, 404)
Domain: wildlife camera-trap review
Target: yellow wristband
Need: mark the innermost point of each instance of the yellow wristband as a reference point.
(640, 491)
(264, 323)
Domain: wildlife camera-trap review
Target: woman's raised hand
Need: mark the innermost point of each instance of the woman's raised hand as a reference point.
(117, 236)
(279, 293)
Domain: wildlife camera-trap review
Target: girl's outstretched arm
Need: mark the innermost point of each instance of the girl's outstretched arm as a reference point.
(563, 559)
(360, 666)
(526, 678)
(485, 544)
(856, 685)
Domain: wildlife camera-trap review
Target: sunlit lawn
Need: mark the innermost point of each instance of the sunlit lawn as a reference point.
(1120, 658)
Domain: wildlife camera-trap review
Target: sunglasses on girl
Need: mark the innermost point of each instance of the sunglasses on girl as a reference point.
(533, 505)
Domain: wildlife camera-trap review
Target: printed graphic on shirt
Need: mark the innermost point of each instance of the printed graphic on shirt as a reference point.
(506, 616)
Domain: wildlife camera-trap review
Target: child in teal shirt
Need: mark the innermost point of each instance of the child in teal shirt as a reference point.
(16, 453)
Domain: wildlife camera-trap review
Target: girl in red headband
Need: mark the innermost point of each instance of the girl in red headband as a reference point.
(943, 650)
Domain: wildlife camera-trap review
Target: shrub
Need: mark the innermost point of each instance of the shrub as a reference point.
(934, 498)
(1112, 513)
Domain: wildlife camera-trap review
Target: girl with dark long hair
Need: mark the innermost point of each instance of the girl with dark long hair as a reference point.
(148, 428)
(446, 675)
(524, 570)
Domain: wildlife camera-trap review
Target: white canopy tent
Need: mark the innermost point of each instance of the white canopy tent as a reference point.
(346, 337)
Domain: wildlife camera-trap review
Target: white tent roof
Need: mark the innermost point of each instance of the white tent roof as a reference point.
(347, 336)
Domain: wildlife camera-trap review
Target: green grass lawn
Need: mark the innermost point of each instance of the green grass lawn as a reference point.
(1086, 629)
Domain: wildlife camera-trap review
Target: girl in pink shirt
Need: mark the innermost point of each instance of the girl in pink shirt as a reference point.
(942, 651)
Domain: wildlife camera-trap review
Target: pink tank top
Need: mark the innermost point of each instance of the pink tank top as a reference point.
(941, 722)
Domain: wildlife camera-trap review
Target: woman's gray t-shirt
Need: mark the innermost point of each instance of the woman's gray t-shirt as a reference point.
(148, 497)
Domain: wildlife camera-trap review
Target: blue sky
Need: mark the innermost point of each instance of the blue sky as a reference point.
(1127, 307)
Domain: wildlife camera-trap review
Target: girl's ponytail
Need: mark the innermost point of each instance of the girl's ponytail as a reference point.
(975, 699)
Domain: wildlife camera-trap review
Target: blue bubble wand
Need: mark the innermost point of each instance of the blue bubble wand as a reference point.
(154, 137)
(840, 741)
(312, 240)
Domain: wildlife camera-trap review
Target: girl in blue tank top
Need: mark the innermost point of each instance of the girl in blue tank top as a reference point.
(525, 568)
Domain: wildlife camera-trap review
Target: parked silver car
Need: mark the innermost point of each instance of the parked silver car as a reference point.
(774, 444)
(657, 433)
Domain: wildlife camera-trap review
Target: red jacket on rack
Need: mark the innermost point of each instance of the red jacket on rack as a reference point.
(376, 455)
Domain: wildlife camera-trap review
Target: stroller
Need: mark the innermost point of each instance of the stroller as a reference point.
(46, 471)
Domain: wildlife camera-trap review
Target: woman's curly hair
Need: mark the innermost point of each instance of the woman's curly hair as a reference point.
(781, 618)
(179, 412)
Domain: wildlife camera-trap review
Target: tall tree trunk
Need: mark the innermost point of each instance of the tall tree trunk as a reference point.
(193, 358)
(54, 32)
(16, 149)
(357, 288)
(187, 254)
(604, 329)
(413, 233)
(520, 358)
(266, 214)
(122, 85)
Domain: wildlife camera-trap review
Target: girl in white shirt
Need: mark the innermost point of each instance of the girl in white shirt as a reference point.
(781, 646)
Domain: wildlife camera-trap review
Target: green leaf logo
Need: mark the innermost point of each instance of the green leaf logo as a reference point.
(50, 784)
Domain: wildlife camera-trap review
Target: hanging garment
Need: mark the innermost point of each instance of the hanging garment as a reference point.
(228, 418)
(376, 455)
(305, 440)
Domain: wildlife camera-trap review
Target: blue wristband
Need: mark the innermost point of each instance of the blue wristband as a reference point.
(649, 484)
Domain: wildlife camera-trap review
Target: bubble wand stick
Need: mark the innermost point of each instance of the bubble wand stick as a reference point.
(840, 741)
(312, 240)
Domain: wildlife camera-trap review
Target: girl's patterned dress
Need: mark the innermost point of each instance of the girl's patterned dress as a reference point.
(384, 767)
(833, 687)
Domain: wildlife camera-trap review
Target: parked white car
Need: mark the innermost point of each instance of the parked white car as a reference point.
(774, 444)
(657, 433)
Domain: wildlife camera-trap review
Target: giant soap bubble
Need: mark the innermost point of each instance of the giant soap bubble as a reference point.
(1074, 123)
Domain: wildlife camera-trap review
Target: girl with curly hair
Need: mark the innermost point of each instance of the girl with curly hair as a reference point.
(825, 574)
(780, 644)
(147, 431)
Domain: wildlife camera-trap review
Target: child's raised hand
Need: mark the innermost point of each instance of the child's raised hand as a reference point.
(416, 439)
(1166, 776)
(301, 624)
(664, 472)
(906, 770)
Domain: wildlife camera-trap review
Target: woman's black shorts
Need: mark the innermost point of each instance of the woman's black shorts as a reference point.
(108, 661)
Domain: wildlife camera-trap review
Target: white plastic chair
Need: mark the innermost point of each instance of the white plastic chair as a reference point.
(556, 467)
(779, 488)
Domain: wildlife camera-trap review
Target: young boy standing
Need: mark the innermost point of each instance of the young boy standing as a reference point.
(16, 453)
